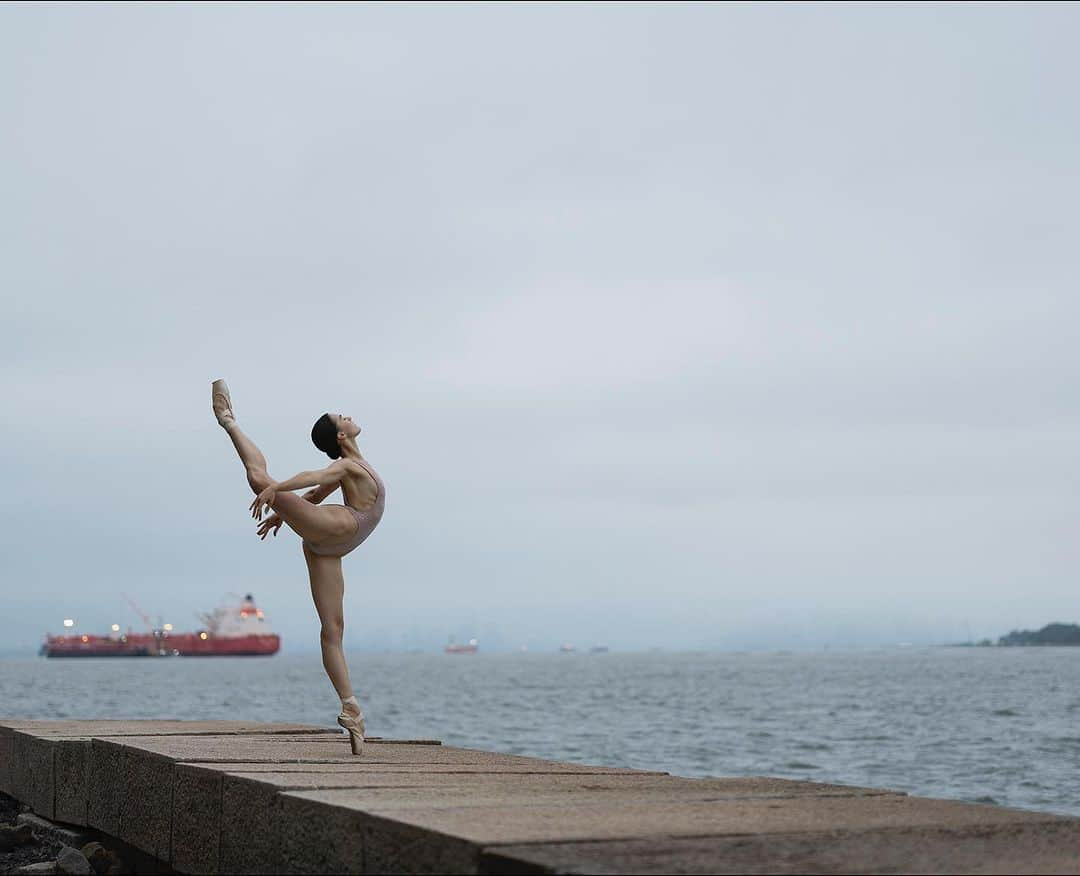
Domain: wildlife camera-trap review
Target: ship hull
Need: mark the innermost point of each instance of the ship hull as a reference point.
(182, 645)
(63, 651)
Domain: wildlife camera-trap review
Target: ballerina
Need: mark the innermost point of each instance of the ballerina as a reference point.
(328, 532)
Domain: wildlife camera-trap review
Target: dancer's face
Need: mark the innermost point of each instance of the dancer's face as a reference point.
(346, 426)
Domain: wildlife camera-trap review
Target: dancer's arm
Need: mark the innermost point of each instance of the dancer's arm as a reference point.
(316, 495)
(273, 522)
(331, 476)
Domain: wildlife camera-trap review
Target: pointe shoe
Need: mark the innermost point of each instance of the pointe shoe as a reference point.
(355, 725)
(221, 402)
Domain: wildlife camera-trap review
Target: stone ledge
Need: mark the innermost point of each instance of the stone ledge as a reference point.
(271, 798)
(1029, 848)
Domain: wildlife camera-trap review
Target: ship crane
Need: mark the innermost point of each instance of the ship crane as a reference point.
(139, 612)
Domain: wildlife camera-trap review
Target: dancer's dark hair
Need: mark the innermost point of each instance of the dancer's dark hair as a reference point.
(324, 436)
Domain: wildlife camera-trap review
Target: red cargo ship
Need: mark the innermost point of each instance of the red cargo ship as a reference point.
(230, 631)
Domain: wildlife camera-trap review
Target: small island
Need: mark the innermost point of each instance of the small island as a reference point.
(1051, 634)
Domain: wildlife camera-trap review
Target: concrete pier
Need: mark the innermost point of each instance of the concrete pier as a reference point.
(236, 797)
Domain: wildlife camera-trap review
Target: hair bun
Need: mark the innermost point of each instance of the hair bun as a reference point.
(324, 436)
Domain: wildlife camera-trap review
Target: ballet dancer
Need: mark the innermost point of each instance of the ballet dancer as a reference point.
(328, 532)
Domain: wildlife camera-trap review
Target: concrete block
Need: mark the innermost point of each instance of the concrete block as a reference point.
(53, 775)
(251, 814)
(106, 785)
(448, 832)
(387, 785)
(249, 799)
(249, 806)
(396, 848)
(71, 769)
(248, 834)
(329, 749)
(16, 771)
(334, 845)
(249, 831)
(1007, 849)
(33, 779)
(249, 748)
(196, 821)
(590, 819)
(5, 760)
(146, 802)
(234, 799)
(314, 840)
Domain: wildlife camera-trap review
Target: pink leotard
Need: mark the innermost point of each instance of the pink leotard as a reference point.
(366, 521)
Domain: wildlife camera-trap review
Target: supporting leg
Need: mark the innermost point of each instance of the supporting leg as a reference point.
(328, 593)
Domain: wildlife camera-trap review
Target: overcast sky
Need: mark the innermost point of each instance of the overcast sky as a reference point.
(700, 327)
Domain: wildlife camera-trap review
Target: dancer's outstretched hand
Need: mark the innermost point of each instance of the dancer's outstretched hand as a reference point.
(270, 524)
(262, 501)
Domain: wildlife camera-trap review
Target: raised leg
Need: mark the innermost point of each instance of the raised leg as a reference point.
(328, 593)
(251, 456)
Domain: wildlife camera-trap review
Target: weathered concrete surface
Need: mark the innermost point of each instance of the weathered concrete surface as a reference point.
(49, 768)
(242, 798)
(105, 791)
(133, 778)
(245, 801)
(195, 845)
(132, 793)
(32, 778)
(1028, 848)
(245, 794)
(359, 765)
(310, 749)
(403, 833)
(46, 763)
(50, 774)
(146, 802)
(71, 777)
(250, 806)
(5, 761)
(248, 793)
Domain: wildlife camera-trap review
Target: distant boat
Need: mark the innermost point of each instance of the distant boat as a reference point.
(231, 631)
(469, 647)
(598, 649)
(567, 648)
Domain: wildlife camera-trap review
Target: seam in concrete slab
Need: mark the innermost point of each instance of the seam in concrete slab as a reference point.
(172, 807)
(221, 826)
(52, 769)
(286, 768)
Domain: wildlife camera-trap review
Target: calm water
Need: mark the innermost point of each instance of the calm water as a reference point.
(987, 725)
